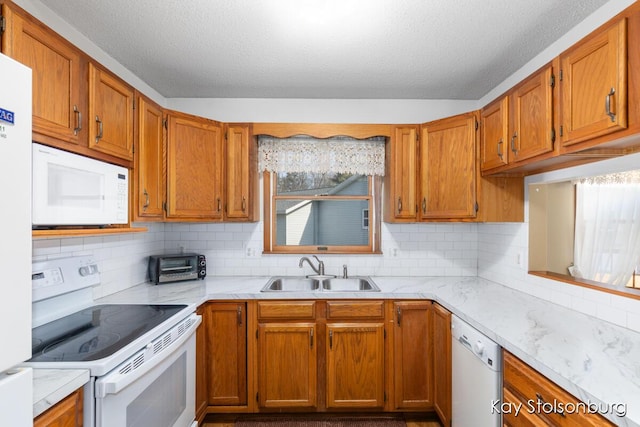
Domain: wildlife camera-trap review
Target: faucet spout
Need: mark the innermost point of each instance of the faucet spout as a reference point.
(318, 270)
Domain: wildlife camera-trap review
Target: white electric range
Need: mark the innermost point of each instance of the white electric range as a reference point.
(141, 358)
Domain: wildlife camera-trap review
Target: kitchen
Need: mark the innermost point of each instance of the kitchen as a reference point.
(491, 251)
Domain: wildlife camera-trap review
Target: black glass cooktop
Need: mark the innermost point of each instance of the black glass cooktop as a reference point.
(96, 332)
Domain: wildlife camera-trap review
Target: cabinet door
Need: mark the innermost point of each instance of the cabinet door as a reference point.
(401, 178)
(226, 326)
(66, 413)
(532, 131)
(448, 168)
(442, 363)
(594, 85)
(110, 114)
(57, 104)
(194, 168)
(149, 182)
(412, 355)
(241, 174)
(355, 365)
(494, 131)
(287, 367)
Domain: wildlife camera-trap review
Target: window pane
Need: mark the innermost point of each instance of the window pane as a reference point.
(321, 222)
(315, 184)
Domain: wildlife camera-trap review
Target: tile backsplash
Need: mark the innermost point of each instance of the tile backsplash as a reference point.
(496, 251)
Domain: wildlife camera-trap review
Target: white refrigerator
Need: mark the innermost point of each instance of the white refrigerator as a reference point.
(16, 389)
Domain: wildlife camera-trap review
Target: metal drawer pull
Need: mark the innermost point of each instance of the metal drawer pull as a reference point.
(311, 338)
(500, 149)
(330, 339)
(607, 104)
(146, 197)
(239, 315)
(399, 315)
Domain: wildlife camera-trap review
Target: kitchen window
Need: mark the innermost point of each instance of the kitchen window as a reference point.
(322, 195)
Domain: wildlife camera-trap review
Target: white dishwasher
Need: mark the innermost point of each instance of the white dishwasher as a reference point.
(476, 377)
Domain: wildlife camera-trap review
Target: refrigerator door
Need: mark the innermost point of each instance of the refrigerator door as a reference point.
(15, 226)
(15, 410)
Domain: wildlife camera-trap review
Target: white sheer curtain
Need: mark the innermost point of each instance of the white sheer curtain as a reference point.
(607, 234)
(307, 154)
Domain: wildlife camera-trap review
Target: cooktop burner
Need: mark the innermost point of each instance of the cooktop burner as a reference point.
(96, 332)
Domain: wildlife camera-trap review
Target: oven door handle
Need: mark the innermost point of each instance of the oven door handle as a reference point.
(126, 373)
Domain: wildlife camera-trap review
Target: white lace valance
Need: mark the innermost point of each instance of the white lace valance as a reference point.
(307, 154)
(629, 177)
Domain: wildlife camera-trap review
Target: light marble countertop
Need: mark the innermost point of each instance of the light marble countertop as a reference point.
(52, 385)
(596, 361)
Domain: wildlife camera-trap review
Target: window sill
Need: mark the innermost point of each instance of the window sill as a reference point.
(615, 290)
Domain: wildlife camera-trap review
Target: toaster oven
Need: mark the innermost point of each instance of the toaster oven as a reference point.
(176, 267)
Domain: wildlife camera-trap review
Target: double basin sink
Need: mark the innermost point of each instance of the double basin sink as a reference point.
(320, 284)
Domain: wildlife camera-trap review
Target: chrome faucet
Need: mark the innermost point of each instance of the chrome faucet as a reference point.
(319, 271)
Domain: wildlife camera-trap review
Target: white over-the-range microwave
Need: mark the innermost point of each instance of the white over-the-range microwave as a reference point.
(69, 189)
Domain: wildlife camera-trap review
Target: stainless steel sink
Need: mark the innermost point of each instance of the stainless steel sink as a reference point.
(351, 284)
(320, 284)
(291, 284)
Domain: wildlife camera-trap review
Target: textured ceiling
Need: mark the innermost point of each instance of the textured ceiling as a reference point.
(398, 49)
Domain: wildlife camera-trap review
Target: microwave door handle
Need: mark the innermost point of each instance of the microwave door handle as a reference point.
(115, 382)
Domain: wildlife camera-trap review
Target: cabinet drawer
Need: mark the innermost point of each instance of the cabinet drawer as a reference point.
(523, 418)
(355, 310)
(540, 393)
(286, 310)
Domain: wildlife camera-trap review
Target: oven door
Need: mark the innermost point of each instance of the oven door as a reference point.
(159, 392)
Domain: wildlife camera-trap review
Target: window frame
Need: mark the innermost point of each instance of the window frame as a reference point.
(270, 232)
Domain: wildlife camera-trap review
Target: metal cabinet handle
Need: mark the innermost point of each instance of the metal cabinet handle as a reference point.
(78, 115)
(500, 149)
(541, 400)
(399, 315)
(607, 105)
(100, 129)
(424, 205)
(513, 143)
(244, 204)
(399, 204)
(239, 315)
(330, 339)
(219, 205)
(146, 202)
(311, 338)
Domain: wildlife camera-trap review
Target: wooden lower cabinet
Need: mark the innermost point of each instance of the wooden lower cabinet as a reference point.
(226, 349)
(324, 356)
(441, 335)
(355, 365)
(524, 385)
(287, 365)
(412, 354)
(66, 413)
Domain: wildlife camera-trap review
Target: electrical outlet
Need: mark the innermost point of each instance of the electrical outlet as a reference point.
(393, 252)
(251, 252)
(519, 258)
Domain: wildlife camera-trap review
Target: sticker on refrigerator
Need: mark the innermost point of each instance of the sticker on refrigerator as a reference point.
(6, 116)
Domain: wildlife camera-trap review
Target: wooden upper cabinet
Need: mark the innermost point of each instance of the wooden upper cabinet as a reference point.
(400, 204)
(494, 128)
(226, 332)
(287, 365)
(442, 363)
(194, 168)
(594, 85)
(148, 183)
(531, 126)
(355, 365)
(242, 198)
(59, 109)
(412, 355)
(110, 114)
(448, 168)
(520, 125)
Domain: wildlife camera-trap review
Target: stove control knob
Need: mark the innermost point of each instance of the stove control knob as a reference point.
(84, 271)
